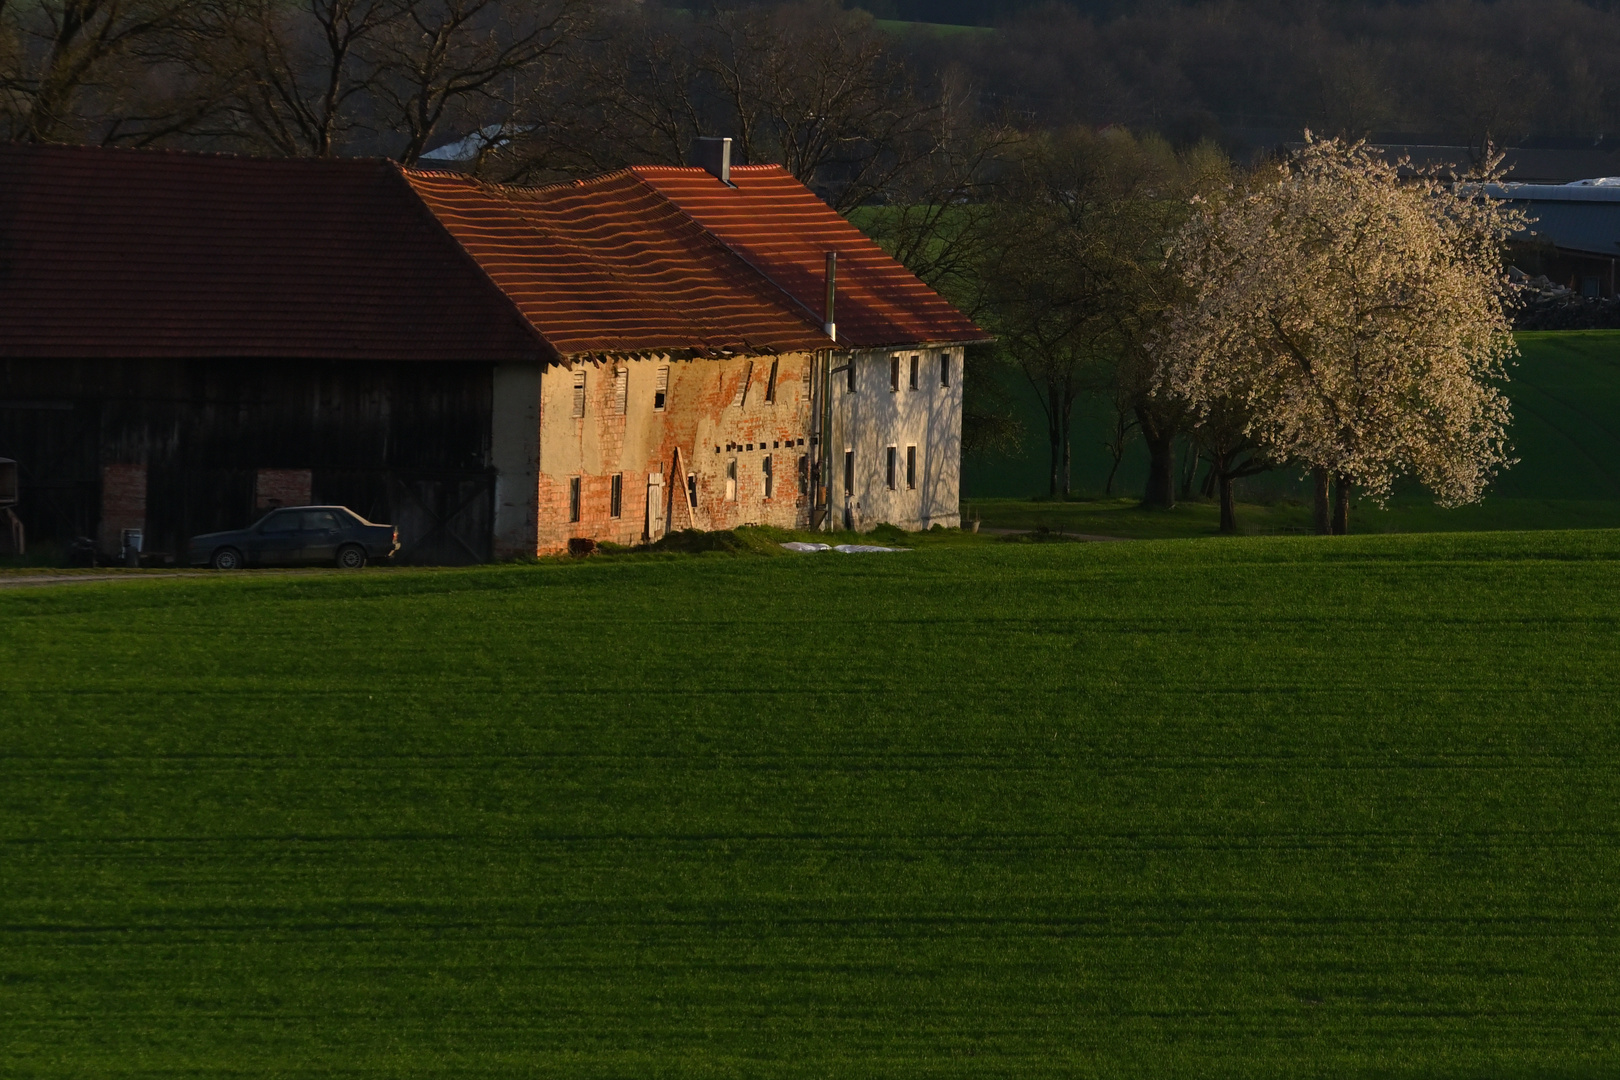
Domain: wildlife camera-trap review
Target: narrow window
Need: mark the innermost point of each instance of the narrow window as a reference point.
(573, 498)
(945, 368)
(894, 374)
(579, 396)
(892, 456)
(731, 480)
(741, 396)
(621, 390)
(915, 361)
(849, 374)
(770, 385)
(661, 390)
(804, 475)
(849, 471)
(770, 478)
(691, 490)
(616, 496)
(911, 466)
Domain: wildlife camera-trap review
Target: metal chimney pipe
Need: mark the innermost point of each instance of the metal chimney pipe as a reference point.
(831, 327)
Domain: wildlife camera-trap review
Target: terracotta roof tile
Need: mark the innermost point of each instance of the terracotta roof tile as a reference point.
(783, 230)
(608, 265)
(126, 253)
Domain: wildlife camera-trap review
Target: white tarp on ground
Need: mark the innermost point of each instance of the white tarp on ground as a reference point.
(847, 549)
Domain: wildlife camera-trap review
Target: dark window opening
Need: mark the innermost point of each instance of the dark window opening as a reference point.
(691, 490)
(892, 456)
(849, 375)
(770, 385)
(661, 390)
(616, 496)
(911, 466)
(573, 498)
(894, 374)
(944, 369)
(770, 478)
(804, 474)
(849, 472)
(915, 361)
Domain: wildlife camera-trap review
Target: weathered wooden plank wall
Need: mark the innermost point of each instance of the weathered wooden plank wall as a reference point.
(400, 442)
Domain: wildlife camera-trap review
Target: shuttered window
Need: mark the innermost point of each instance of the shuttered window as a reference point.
(741, 396)
(579, 396)
(621, 390)
(661, 389)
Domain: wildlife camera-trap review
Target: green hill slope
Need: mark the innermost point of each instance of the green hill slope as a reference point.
(1565, 391)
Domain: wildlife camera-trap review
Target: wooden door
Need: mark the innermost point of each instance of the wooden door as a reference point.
(655, 507)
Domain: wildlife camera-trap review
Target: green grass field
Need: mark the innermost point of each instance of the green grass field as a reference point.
(1565, 390)
(1269, 807)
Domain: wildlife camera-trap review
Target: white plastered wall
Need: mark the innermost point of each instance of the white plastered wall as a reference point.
(875, 417)
(514, 451)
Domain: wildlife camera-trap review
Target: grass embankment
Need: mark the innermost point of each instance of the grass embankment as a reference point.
(1276, 807)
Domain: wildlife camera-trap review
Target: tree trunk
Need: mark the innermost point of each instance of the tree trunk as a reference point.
(1228, 504)
(1323, 513)
(1108, 488)
(1068, 447)
(1055, 438)
(1161, 484)
(1341, 505)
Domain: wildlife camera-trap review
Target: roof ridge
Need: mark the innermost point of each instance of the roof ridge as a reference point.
(186, 153)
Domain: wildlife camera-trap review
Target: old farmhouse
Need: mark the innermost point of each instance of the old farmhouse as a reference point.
(187, 340)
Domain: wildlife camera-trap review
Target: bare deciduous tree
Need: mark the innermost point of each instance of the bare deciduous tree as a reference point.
(69, 69)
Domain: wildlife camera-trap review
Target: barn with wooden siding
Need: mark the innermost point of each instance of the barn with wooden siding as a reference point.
(187, 340)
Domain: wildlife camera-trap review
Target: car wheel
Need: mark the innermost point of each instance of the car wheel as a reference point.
(226, 559)
(351, 557)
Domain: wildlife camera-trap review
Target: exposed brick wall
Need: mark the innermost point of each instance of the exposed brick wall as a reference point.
(700, 431)
(282, 487)
(123, 504)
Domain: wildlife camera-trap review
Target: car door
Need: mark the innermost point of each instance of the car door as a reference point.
(278, 539)
(322, 534)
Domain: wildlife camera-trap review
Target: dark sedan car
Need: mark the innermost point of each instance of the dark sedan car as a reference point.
(298, 536)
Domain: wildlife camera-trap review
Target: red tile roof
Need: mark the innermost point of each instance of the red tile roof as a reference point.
(784, 231)
(607, 265)
(126, 253)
